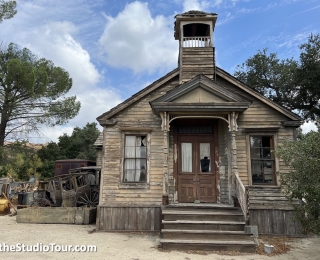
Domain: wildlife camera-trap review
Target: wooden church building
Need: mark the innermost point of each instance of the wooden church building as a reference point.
(191, 154)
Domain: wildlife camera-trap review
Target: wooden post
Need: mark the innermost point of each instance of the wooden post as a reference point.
(233, 128)
(165, 128)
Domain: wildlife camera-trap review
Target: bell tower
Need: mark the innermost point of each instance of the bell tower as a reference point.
(194, 30)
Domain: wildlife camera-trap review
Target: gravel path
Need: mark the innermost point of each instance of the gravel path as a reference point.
(130, 246)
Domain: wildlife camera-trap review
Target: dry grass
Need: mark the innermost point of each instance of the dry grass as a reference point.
(280, 243)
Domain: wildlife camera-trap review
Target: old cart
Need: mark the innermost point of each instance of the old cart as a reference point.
(78, 188)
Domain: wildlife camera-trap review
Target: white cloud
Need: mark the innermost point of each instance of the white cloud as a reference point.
(136, 40)
(53, 32)
(189, 5)
(54, 41)
(308, 126)
(93, 104)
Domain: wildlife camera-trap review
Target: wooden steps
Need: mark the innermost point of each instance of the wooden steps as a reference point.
(204, 227)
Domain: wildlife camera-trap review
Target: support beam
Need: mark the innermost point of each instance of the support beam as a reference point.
(165, 128)
(233, 128)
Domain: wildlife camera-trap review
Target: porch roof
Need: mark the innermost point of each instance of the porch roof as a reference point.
(200, 94)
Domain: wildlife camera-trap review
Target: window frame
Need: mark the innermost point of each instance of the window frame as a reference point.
(275, 160)
(134, 184)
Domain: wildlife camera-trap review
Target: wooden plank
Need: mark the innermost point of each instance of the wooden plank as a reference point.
(280, 207)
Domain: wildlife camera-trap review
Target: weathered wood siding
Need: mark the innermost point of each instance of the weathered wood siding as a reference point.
(99, 157)
(258, 115)
(131, 218)
(224, 159)
(195, 61)
(137, 115)
(271, 212)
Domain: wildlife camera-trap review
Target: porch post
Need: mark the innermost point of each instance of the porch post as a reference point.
(165, 128)
(233, 128)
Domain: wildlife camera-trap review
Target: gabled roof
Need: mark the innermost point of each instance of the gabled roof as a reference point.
(223, 74)
(227, 94)
(206, 83)
(99, 141)
(142, 93)
(214, 98)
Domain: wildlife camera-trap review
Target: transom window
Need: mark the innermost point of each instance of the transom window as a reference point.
(262, 160)
(194, 129)
(135, 158)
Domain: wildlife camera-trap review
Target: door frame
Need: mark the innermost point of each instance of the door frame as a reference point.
(214, 124)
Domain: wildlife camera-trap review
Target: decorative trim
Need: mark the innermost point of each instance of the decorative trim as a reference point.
(258, 130)
(134, 186)
(108, 122)
(292, 123)
(134, 128)
(201, 81)
(200, 107)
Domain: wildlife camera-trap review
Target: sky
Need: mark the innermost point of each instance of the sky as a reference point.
(114, 48)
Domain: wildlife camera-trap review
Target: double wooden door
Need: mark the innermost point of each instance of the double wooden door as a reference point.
(196, 168)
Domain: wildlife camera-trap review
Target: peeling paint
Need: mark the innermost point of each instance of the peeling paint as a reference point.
(175, 196)
(175, 156)
(222, 171)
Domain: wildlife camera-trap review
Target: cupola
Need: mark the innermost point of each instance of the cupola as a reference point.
(194, 30)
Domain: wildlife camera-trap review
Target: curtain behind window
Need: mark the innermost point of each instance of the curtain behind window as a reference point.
(186, 152)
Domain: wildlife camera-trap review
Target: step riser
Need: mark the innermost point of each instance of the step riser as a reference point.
(196, 209)
(205, 217)
(238, 248)
(208, 237)
(230, 227)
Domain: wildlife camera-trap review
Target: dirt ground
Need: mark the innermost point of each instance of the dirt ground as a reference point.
(132, 246)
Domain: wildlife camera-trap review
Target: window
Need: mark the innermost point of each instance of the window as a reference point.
(135, 159)
(262, 160)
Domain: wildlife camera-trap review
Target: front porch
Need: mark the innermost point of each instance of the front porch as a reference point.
(217, 227)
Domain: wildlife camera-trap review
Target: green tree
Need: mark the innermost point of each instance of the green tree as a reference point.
(7, 9)
(15, 160)
(290, 83)
(302, 182)
(48, 154)
(79, 145)
(34, 164)
(32, 93)
(308, 79)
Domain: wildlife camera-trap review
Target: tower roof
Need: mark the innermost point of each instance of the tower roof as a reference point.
(193, 15)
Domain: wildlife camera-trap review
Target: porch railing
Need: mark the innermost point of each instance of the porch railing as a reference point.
(204, 41)
(241, 193)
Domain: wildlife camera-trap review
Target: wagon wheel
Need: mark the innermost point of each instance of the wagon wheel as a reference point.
(88, 200)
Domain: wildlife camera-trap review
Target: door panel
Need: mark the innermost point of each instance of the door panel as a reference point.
(186, 188)
(198, 183)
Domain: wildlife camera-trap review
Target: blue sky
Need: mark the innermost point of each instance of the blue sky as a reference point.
(114, 48)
